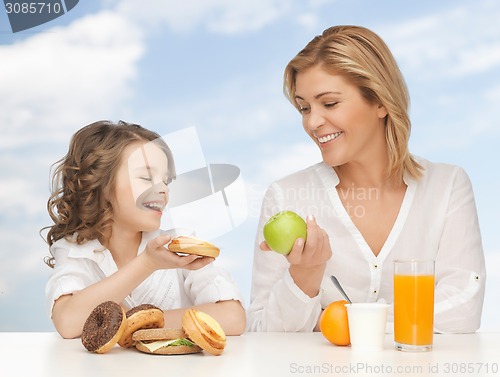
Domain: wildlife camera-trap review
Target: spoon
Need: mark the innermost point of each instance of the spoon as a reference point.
(336, 283)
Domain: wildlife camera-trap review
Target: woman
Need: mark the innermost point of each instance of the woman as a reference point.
(369, 201)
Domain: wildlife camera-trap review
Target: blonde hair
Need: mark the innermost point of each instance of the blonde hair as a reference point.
(363, 58)
(83, 181)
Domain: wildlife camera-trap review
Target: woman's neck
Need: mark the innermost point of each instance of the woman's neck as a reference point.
(372, 174)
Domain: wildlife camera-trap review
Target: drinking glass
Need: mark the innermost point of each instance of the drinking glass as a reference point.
(413, 304)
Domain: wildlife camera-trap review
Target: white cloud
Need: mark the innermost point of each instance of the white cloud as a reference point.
(55, 79)
(218, 16)
(451, 60)
(52, 82)
(320, 3)
(247, 15)
(453, 43)
(309, 21)
(278, 161)
(22, 255)
(24, 186)
(243, 109)
(461, 119)
(479, 58)
(493, 95)
(17, 195)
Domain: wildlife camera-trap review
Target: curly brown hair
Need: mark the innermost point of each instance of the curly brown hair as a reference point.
(83, 181)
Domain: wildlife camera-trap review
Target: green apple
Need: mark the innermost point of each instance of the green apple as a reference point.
(282, 229)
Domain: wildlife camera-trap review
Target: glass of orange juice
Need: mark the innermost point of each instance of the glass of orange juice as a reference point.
(413, 304)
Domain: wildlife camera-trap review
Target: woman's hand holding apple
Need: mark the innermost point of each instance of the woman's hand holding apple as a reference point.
(312, 252)
(307, 258)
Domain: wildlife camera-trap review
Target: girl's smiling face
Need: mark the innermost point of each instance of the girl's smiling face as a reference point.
(141, 191)
(345, 126)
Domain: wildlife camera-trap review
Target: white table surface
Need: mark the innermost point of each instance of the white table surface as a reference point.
(252, 354)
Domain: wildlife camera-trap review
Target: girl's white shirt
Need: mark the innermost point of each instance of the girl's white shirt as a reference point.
(79, 266)
(437, 220)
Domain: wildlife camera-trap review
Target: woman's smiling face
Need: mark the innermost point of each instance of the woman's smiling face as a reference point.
(345, 126)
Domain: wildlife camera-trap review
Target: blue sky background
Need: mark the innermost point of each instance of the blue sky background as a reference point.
(217, 65)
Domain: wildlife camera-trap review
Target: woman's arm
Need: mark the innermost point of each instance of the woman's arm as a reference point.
(286, 291)
(460, 266)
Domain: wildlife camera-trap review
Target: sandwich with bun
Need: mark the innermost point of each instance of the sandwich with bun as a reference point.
(192, 245)
(164, 341)
(200, 332)
(204, 330)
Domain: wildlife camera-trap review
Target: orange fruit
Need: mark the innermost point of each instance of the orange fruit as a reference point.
(334, 325)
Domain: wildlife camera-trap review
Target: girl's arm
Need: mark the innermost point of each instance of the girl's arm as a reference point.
(70, 311)
(230, 314)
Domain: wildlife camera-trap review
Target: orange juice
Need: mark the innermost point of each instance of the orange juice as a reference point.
(413, 309)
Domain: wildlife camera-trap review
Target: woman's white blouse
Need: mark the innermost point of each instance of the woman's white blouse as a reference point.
(79, 266)
(437, 220)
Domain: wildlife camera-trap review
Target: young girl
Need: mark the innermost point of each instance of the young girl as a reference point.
(372, 201)
(109, 192)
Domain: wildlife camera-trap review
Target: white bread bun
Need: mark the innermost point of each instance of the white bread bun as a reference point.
(191, 245)
(145, 316)
(204, 330)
